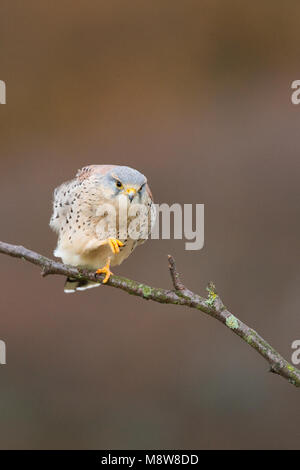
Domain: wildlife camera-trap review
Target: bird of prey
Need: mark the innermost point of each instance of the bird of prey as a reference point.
(78, 211)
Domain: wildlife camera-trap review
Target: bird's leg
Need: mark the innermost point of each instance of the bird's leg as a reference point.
(105, 270)
(113, 243)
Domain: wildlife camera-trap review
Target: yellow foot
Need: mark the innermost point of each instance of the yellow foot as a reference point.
(114, 244)
(105, 270)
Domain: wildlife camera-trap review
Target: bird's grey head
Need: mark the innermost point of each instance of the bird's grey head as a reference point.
(123, 180)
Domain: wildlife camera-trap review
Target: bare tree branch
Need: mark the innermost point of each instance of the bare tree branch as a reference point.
(180, 295)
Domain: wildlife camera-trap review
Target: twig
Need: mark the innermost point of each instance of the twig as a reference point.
(212, 305)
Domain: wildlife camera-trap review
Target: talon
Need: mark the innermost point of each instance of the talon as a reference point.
(114, 244)
(105, 270)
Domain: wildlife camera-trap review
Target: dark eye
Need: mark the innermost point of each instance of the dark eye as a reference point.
(119, 184)
(142, 187)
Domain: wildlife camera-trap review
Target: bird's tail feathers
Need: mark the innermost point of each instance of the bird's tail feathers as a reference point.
(73, 285)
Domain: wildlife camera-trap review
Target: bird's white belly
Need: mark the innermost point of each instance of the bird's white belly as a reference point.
(95, 259)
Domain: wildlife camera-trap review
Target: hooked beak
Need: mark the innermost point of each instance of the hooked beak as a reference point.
(131, 192)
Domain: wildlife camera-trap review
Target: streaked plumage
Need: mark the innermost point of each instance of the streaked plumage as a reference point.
(75, 218)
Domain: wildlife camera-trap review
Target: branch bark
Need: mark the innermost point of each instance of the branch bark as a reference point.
(179, 295)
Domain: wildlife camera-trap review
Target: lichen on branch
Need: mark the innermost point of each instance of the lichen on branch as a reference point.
(179, 295)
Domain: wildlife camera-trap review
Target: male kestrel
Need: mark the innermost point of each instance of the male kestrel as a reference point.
(79, 209)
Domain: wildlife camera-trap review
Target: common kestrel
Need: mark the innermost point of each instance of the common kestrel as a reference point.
(80, 210)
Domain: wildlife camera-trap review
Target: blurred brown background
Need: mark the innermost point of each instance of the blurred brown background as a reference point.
(196, 95)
